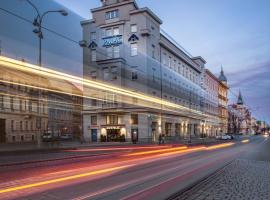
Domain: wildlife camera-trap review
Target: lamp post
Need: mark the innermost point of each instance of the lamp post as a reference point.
(37, 23)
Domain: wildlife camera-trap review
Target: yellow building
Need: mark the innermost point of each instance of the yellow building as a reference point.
(223, 103)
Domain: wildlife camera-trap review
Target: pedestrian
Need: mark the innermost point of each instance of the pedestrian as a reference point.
(163, 139)
(159, 139)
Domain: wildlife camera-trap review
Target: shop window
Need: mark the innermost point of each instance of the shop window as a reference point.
(168, 129)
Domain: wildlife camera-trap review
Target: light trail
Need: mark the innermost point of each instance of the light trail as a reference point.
(33, 69)
(245, 141)
(220, 146)
(57, 180)
(156, 151)
(116, 148)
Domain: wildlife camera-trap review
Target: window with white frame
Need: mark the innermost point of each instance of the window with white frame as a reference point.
(133, 28)
(164, 57)
(116, 52)
(93, 36)
(106, 73)
(93, 55)
(170, 62)
(134, 49)
(112, 14)
(109, 52)
(109, 32)
(116, 31)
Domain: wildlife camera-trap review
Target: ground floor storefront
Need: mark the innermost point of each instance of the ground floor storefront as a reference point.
(142, 127)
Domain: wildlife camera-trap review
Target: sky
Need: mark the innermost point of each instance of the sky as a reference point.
(231, 33)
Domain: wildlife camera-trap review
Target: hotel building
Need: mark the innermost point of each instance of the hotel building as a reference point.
(127, 48)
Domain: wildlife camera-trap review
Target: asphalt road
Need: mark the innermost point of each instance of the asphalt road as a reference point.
(156, 172)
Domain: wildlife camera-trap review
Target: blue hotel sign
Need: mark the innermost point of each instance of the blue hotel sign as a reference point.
(112, 41)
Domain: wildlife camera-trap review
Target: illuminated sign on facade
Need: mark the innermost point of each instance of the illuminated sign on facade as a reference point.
(112, 41)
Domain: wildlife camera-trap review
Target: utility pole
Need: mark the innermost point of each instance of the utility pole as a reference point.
(37, 23)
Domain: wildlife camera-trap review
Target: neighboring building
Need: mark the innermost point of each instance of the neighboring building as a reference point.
(234, 119)
(19, 105)
(211, 99)
(19, 119)
(223, 102)
(65, 114)
(240, 120)
(128, 49)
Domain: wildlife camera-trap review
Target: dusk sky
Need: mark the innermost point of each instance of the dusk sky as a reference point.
(232, 33)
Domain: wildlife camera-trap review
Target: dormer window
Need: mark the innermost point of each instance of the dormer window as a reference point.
(112, 14)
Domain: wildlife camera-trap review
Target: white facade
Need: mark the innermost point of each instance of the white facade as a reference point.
(127, 49)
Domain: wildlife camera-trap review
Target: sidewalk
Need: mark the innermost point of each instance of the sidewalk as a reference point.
(20, 148)
(242, 179)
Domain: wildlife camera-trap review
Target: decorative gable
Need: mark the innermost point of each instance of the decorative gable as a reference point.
(133, 38)
(92, 45)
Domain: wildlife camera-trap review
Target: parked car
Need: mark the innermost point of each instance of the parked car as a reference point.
(226, 137)
(66, 136)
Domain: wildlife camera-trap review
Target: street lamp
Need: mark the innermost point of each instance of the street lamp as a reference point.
(37, 23)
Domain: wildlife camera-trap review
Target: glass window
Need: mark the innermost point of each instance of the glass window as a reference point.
(93, 120)
(93, 55)
(1, 101)
(112, 119)
(164, 57)
(93, 36)
(134, 49)
(93, 74)
(153, 51)
(134, 119)
(114, 73)
(109, 32)
(116, 31)
(109, 52)
(134, 75)
(111, 14)
(169, 63)
(106, 73)
(133, 28)
(116, 52)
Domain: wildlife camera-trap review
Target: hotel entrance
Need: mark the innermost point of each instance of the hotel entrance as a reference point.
(114, 135)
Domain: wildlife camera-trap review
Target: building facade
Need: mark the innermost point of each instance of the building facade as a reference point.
(223, 103)
(240, 120)
(20, 120)
(127, 48)
(211, 99)
(26, 112)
